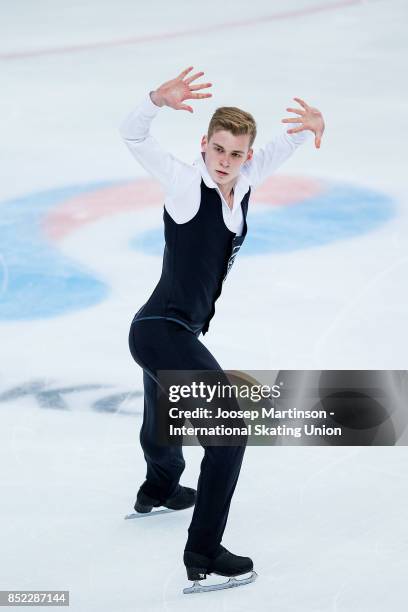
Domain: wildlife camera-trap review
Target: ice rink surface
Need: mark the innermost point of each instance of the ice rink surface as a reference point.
(320, 284)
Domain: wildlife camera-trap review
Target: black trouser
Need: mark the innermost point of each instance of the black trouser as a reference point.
(160, 344)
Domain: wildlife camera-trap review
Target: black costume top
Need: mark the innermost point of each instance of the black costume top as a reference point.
(197, 257)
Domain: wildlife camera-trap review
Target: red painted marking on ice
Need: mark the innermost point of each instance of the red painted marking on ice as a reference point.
(285, 190)
(81, 210)
(135, 40)
(137, 195)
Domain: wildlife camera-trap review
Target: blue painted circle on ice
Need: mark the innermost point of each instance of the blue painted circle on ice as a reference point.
(37, 280)
(341, 211)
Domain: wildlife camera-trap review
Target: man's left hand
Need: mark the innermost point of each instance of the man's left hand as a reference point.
(310, 119)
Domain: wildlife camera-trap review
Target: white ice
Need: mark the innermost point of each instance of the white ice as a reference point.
(326, 527)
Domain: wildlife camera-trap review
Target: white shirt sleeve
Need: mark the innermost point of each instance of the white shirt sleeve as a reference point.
(266, 160)
(172, 173)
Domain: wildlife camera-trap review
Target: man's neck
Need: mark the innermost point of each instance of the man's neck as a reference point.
(227, 190)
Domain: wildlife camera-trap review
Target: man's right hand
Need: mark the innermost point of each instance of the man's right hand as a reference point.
(174, 92)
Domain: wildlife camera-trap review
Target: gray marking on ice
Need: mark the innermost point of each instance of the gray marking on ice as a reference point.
(112, 403)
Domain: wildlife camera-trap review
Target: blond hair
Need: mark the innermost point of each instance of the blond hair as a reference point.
(233, 120)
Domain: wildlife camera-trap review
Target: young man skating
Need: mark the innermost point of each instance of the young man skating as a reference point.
(205, 224)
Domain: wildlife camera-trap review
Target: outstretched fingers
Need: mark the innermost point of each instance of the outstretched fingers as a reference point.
(185, 71)
(200, 86)
(198, 96)
(185, 107)
(194, 77)
(291, 120)
(302, 103)
(294, 130)
(296, 110)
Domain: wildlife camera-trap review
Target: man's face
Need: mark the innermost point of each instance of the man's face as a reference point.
(225, 154)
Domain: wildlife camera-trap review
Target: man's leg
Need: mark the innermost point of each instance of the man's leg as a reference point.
(165, 464)
(219, 473)
(164, 345)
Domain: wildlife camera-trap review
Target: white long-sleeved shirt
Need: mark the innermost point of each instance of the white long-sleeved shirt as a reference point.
(181, 181)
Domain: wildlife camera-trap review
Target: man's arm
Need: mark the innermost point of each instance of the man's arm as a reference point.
(267, 159)
(135, 130)
(159, 163)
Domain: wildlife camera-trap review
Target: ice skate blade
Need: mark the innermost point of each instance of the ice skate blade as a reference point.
(231, 582)
(137, 515)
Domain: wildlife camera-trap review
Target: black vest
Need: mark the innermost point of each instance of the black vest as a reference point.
(197, 257)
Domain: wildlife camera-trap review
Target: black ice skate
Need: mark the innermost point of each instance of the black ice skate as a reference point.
(224, 564)
(184, 498)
